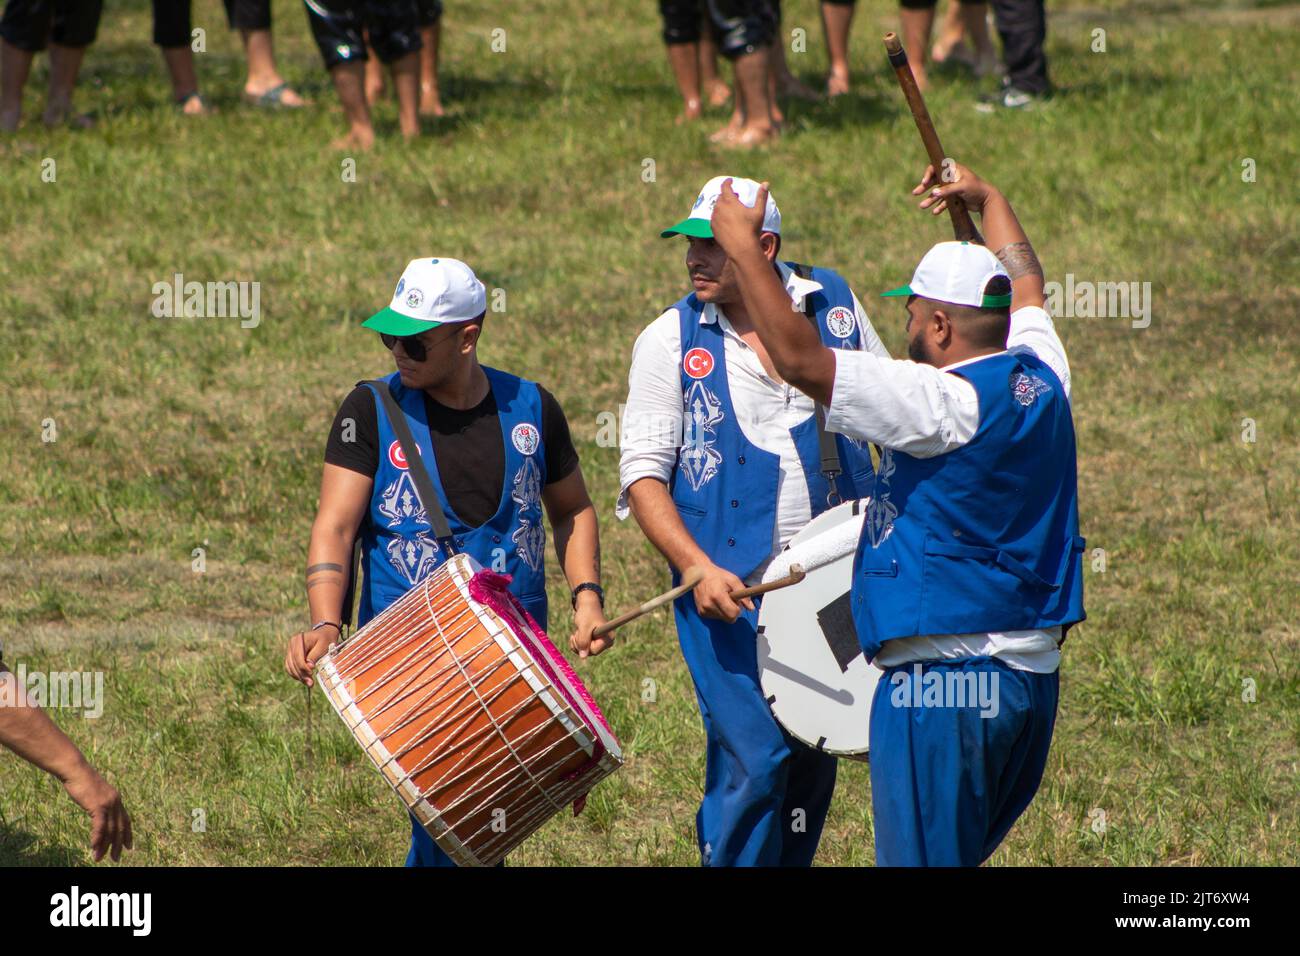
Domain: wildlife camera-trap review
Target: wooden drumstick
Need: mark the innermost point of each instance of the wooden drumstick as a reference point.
(963, 226)
(794, 577)
(690, 577)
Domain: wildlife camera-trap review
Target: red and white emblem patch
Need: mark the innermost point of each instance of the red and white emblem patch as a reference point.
(396, 456)
(698, 362)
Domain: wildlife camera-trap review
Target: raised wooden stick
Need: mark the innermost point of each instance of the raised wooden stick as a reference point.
(963, 226)
(691, 577)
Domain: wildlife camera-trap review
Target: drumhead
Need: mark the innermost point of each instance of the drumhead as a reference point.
(811, 667)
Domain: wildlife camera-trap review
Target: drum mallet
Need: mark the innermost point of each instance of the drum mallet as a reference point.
(794, 577)
(690, 577)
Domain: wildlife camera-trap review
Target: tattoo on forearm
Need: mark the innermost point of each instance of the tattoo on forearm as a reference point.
(312, 569)
(1019, 260)
(312, 584)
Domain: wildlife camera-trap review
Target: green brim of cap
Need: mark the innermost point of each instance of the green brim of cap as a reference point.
(696, 228)
(901, 290)
(389, 322)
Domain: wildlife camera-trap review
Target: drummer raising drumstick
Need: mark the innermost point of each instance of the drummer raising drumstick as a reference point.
(497, 449)
(969, 568)
(722, 463)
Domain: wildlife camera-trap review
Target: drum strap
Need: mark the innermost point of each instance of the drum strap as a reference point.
(830, 453)
(419, 474)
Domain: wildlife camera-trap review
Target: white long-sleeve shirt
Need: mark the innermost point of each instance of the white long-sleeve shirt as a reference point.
(765, 409)
(925, 411)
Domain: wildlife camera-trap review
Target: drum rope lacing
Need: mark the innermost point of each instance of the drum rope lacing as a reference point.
(535, 803)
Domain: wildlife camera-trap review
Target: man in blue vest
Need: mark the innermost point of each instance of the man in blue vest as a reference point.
(722, 463)
(969, 568)
(497, 449)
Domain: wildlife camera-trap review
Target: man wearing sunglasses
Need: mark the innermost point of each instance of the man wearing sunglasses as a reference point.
(497, 450)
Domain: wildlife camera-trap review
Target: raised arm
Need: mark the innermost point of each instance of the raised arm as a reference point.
(790, 339)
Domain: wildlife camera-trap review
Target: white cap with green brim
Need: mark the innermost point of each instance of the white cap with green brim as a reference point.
(431, 292)
(699, 223)
(957, 272)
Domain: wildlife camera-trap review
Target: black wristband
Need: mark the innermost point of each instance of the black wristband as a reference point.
(588, 586)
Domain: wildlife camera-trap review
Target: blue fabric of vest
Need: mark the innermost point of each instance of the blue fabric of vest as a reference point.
(724, 486)
(986, 537)
(398, 549)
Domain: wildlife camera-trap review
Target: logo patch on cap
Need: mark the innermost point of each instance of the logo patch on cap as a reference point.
(525, 438)
(841, 321)
(698, 362)
(401, 284)
(414, 298)
(396, 456)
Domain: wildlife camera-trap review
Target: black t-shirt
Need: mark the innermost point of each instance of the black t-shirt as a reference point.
(468, 447)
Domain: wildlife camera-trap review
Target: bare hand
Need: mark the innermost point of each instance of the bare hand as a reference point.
(586, 619)
(736, 227)
(305, 650)
(713, 594)
(110, 827)
(956, 180)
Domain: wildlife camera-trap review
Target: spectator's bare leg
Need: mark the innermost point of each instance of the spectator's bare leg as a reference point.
(349, 83)
(916, 40)
(262, 74)
(974, 18)
(712, 85)
(753, 75)
(430, 100)
(376, 88)
(951, 34)
(185, 82)
(15, 67)
(406, 82)
(65, 64)
(684, 58)
(836, 23)
(786, 84)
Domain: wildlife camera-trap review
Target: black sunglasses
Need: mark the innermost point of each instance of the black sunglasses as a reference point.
(412, 345)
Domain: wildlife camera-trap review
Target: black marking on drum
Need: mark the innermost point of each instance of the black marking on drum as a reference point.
(821, 743)
(771, 699)
(857, 506)
(836, 620)
(761, 628)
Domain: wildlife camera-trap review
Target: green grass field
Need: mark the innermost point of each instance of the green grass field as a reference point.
(175, 434)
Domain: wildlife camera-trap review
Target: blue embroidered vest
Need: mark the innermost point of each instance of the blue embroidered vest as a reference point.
(398, 547)
(983, 538)
(724, 486)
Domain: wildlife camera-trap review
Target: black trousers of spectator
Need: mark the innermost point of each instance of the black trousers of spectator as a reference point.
(738, 26)
(1022, 24)
(172, 22)
(430, 12)
(341, 27)
(30, 24)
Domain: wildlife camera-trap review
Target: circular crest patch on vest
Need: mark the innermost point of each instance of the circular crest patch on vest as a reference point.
(841, 321)
(525, 438)
(698, 362)
(396, 456)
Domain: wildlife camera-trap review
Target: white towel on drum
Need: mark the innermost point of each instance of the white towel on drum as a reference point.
(813, 554)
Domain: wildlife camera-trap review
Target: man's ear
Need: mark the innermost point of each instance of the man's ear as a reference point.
(770, 243)
(469, 337)
(942, 324)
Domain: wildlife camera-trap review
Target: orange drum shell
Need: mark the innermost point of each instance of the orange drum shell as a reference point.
(432, 735)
